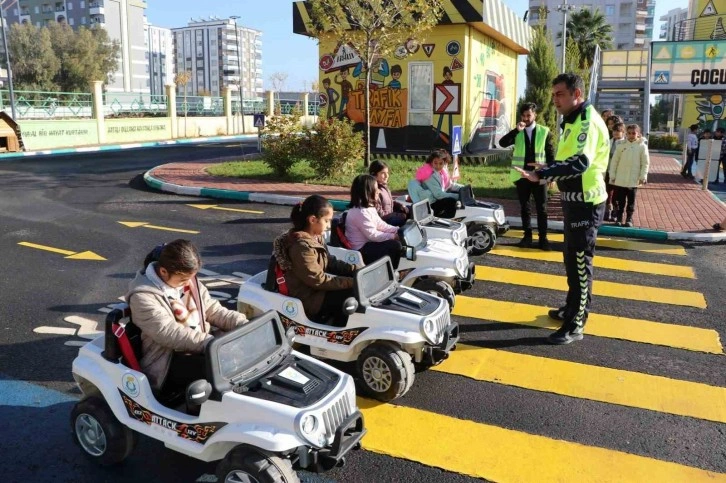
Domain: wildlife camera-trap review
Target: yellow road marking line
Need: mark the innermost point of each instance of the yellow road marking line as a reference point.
(70, 254)
(605, 289)
(601, 325)
(224, 208)
(143, 224)
(599, 261)
(499, 454)
(47, 248)
(584, 381)
(603, 241)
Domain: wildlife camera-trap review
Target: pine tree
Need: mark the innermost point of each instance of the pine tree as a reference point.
(541, 69)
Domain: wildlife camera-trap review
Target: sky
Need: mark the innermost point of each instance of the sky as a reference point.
(286, 52)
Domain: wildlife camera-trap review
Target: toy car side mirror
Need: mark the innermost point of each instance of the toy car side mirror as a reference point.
(290, 334)
(198, 392)
(410, 253)
(350, 305)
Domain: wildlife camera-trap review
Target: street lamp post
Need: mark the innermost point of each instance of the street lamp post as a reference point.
(564, 8)
(239, 72)
(7, 61)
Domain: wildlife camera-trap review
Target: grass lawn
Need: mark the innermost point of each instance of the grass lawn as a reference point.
(488, 181)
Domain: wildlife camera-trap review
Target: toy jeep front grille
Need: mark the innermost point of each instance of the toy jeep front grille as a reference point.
(335, 414)
(443, 319)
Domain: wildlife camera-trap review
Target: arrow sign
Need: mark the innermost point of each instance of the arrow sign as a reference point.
(446, 98)
(222, 208)
(70, 254)
(136, 224)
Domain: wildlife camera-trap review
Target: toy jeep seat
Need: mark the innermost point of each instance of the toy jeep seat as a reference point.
(122, 340)
(337, 233)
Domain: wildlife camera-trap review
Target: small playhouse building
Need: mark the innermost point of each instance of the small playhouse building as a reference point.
(463, 74)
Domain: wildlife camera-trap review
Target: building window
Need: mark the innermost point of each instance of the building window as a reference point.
(609, 10)
(83, 4)
(70, 5)
(83, 20)
(37, 9)
(626, 9)
(70, 21)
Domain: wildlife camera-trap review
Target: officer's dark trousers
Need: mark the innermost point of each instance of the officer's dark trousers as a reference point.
(581, 222)
(525, 190)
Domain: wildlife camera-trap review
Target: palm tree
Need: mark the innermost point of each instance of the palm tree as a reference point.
(589, 29)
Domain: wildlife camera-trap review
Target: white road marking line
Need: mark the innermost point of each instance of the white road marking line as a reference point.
(75, 343)
(54, 330)
(87, 328)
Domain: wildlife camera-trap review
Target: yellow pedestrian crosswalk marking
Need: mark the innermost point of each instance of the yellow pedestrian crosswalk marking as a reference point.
(602, 288)
(499, 454)
(584, 381)
(620, 244)
(601, 325)
(599, 261)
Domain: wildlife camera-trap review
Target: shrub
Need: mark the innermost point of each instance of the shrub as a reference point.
(333, 148)
(666, 141)
(281, 142)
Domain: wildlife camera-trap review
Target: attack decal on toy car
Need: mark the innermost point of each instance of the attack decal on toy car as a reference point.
(344, 337)
(199, 433)
(289, 308)
(131, 384)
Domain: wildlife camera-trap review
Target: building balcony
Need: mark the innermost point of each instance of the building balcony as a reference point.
(25, 18)
(640, 27)
(98, 19)
(96, 8)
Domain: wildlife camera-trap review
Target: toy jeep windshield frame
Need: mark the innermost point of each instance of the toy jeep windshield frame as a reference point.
(246, 353)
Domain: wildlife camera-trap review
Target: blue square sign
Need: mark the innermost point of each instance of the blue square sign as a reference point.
(455, 140)
(259, 120)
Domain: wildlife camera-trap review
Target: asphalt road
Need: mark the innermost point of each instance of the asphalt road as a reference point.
(75, 204)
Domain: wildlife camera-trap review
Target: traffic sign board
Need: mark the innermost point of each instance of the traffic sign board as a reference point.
(456, 140)
(259, 120)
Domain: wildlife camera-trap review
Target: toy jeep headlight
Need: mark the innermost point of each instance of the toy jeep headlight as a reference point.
(310, 429)
(455, 237)
(309, 424)
(461, 267)
(428, 328)
(499, 216)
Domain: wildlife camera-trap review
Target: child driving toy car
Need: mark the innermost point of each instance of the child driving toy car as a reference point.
(174, 313)
(390, 210)
(318, 279)
(366, 231)
(433, 183)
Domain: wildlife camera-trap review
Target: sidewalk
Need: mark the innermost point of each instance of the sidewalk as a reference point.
(668, 207)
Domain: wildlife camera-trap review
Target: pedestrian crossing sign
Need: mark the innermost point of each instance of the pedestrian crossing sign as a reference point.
(456, 140)
(259, 120)
(661, 77)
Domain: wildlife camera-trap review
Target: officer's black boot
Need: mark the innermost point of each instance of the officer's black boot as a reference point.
(526, 241)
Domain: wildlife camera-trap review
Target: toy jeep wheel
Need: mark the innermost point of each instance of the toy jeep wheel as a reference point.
(99, 434)
(246, 465)
(438, 288)
(482, 239)
(386, 371)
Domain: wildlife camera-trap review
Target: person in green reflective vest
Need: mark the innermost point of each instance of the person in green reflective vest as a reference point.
(579, 170)
(532, 145)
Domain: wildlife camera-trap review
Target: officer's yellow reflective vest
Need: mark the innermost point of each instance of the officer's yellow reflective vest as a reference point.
(540, 134)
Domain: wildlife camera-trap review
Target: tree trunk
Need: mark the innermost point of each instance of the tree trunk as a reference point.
(367, 159)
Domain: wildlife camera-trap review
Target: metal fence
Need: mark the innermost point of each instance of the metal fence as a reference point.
(702, 28)
(48, 105)
(79, 105)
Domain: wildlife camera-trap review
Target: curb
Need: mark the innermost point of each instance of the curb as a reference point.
(122, 147)
(339, 205)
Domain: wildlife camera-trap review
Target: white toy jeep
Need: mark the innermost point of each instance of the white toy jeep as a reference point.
(386, 328)
(263, 409)
(437, 266)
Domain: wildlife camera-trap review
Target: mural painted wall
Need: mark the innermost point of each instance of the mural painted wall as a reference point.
(707, 109)
(457, 76)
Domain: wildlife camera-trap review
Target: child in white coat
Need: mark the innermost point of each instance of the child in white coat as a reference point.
(628, 169)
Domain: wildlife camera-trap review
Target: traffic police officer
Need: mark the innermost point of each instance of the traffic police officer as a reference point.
(532, 144)
(581, 161)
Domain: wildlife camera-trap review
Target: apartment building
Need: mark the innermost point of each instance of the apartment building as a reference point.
(124, 21)
(672, 22)
(160, 58)
(218, 53)
(632, 20)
